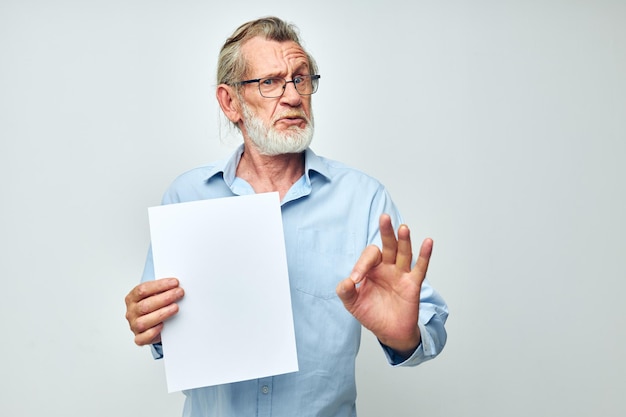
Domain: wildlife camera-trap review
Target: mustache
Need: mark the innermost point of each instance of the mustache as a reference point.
(291, 114)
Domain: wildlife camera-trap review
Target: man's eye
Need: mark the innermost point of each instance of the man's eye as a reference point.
(298, 80)
(269, 81)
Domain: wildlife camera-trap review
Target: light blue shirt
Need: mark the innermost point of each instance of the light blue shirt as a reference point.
(329, 216)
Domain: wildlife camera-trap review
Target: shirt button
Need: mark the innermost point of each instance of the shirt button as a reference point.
(265, 389)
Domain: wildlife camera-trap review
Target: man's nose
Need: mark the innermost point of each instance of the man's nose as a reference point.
(290, 94)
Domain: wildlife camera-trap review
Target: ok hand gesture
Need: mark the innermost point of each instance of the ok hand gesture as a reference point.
(383, 292)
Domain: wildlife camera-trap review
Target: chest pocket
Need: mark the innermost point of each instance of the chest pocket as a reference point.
(324, 257)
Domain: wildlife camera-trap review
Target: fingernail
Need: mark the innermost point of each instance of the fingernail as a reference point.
(355, 277)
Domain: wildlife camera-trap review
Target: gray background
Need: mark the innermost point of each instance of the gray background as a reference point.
(499, 128)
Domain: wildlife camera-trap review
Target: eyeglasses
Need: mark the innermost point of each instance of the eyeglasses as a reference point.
(274, 87)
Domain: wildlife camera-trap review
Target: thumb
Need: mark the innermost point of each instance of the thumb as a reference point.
(347, 293)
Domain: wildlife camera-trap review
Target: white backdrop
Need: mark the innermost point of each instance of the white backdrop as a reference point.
(499, 128)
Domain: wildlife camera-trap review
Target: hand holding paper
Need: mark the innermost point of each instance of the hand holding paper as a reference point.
(148, 305)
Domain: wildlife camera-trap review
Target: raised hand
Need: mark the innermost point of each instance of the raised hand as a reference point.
(383, 292)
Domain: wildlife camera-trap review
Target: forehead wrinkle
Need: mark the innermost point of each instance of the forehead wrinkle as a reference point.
(281, 58)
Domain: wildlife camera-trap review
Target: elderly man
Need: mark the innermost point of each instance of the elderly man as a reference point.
(347, 266)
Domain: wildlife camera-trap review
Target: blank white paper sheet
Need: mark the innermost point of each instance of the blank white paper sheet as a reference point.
(235, 322)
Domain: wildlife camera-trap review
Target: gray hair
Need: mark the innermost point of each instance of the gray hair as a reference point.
(232, 66)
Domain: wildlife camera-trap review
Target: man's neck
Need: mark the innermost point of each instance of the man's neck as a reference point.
(270, 173)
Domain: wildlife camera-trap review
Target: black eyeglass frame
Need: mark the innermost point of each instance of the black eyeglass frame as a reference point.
(314, 78)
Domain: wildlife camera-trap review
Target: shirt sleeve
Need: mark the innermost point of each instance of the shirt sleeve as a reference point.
(148, 272)
(433, 311)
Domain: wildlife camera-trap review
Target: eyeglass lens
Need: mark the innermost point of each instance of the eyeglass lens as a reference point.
(274, 86)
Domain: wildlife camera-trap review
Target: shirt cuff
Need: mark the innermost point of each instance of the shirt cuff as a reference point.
(157, 350)
(422, 353)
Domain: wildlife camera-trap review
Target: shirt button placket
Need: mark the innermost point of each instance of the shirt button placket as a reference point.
(264, 397)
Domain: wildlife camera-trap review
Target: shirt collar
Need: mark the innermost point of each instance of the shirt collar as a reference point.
(228, 167)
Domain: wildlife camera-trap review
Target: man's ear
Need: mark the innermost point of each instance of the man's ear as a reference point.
(229, 102)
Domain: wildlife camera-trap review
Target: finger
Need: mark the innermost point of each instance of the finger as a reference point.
(347, 293)
(156, 302)
(421, 266)
(405, 251)
(150, 288)
(370, 257)
(150, 336)
(151, 311)
(390, 244)
(144, 324)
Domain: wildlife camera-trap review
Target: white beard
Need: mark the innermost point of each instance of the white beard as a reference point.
(270, 141)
